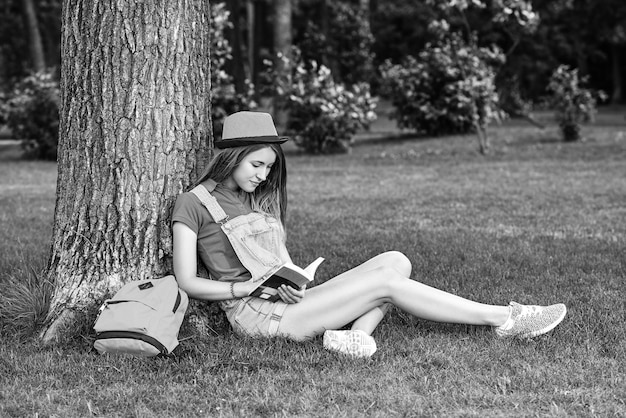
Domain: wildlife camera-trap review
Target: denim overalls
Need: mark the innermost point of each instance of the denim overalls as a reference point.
(258, 241)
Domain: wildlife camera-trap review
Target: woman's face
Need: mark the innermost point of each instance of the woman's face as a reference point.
(252, 171)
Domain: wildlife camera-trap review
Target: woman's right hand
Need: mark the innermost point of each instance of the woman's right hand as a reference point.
(290, 295)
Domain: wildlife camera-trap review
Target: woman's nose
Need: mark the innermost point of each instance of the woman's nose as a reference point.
(262, 174)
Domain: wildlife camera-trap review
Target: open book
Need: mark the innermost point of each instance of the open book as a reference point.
(288, 274)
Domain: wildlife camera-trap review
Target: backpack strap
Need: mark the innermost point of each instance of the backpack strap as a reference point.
(210, 202)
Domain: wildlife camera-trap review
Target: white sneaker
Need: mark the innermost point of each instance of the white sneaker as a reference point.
(355, 343)
(527, 321)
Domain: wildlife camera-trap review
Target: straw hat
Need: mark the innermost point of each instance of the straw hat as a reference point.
(248, 128)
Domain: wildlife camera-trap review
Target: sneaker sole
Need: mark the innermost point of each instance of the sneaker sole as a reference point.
(332, 342)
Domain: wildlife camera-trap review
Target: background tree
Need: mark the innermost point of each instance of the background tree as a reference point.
(38, 60)
(134, 126)
(337, 35)
(586, 34)
(29, 38)
(236, 67)
(225, 98)
(449, 87)
(282, 47)
(610, 17)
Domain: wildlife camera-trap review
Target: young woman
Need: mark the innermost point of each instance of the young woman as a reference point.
(233, 220)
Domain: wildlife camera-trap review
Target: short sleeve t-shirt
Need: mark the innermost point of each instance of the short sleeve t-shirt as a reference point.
(214, 249)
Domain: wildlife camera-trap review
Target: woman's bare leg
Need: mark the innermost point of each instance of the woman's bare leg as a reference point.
(358, 292)
(392, 259)
(370, 320)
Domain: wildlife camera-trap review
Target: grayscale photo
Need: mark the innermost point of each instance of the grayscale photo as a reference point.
(312, 208)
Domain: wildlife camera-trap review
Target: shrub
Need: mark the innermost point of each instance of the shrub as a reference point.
(32, 114)
(224, 98)
(323, 115)
(449, 88)
(572, 103)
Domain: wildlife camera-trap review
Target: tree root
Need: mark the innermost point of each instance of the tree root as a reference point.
(59, 327)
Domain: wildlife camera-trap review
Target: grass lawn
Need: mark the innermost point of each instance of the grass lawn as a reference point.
(537, 221)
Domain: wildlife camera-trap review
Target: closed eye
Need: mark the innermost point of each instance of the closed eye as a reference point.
(257, 164)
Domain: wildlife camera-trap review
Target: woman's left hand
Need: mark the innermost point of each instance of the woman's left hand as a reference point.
(290, 295)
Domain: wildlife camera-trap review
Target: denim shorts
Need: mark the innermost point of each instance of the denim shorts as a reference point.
(254, 316)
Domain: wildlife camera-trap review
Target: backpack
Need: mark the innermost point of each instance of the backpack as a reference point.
(142, 319)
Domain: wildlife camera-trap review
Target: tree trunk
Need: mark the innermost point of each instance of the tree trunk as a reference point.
(325, 29)
(282, 45)
(251, 22)
(616, 73)
(483, 138)
(34, 36)
(134, 130)
(282, 28)
(237, 63)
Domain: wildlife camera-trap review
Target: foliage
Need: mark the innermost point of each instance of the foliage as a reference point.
(24, 302)
(535, 36)
(224, 98)
(323, 115)
(400, 28)
(32, 114)
(449, 88)
(574, 104)
(503, 11)
(343, 42)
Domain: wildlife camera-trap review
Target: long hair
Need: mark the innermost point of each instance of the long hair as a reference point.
(271, 195)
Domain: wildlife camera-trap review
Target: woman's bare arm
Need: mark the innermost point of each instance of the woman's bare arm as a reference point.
(185, 270)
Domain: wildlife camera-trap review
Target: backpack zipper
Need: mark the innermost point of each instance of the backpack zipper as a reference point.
(134, 336)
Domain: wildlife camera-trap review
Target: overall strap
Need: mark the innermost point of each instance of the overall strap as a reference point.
(210, 203)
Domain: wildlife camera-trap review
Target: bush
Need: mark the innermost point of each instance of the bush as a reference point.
(572, 103)
(224, 98)
(449, 88)
(323, 115)
(32, 114)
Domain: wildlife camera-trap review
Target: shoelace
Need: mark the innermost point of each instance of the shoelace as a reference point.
(529, 311)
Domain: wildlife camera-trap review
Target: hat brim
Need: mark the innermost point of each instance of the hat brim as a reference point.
(253, 140)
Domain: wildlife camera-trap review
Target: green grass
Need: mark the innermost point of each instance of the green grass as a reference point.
(537, 221)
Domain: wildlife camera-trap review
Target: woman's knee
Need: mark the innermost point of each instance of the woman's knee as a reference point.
(399, 262)
(383, 281)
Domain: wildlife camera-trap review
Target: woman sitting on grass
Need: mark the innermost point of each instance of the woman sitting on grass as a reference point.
(233, 220)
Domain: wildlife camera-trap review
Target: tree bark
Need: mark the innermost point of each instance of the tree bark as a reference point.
(251, 25)
(237, 63)
(134, 130)
(616, 74)
(35, 45)
(282, 28)
(282, 44)
(324, 24)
